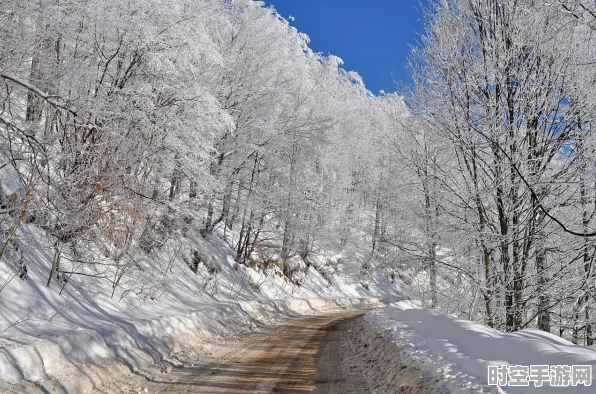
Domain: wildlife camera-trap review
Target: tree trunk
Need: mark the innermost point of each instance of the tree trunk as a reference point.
(543, 298)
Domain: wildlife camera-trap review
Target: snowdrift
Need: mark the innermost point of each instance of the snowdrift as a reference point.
(458, 352)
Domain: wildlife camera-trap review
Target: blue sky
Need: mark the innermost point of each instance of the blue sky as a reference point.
(371, 36)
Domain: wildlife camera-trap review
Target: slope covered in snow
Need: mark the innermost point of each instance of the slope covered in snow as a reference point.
(79, 331)
(459, 352)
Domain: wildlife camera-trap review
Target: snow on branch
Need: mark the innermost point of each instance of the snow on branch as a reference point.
(49, 98)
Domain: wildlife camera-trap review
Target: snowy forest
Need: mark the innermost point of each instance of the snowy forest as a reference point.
(123, 124)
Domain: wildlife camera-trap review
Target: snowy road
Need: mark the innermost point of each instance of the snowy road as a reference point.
(312, 354)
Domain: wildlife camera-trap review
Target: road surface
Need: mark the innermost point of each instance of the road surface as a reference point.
(308, 355)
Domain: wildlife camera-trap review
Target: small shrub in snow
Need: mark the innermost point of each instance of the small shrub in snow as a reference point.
(197, 259)
(333, 264)
(255, 257)
(273, 262)
(14, 258)
(294, 269)
(294, 263)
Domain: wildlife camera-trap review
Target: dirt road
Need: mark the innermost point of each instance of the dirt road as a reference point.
(310, 355)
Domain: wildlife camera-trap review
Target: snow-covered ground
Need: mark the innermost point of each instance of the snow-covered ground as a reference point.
(74, 337)
(82, 335)
(458, 352)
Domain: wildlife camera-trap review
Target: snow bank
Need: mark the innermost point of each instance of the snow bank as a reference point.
(387, 367)
(458, 351)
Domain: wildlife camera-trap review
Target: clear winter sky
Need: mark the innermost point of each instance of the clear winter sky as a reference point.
(371, 36)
